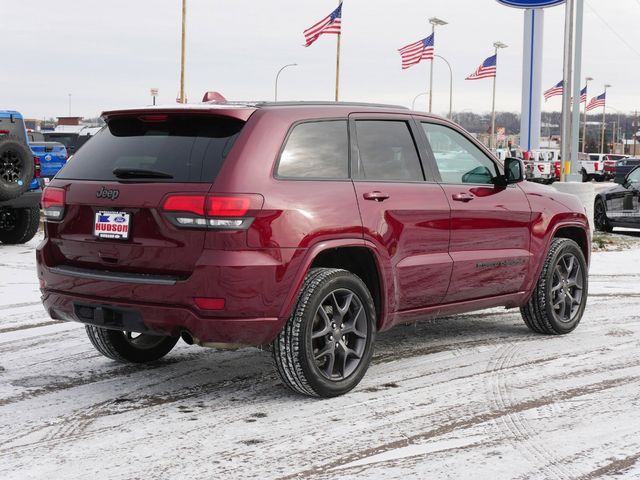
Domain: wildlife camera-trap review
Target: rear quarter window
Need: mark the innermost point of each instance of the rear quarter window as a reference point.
(316, 150)
(189, 148)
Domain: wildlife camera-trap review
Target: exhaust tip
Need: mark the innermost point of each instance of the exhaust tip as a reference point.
(187, 337)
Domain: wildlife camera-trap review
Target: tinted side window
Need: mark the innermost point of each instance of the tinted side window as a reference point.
(387, 151)
(458, 159)
(316, 150)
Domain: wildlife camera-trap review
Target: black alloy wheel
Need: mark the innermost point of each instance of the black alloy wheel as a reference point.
(567, 288)
(600, 218)
(339, 334)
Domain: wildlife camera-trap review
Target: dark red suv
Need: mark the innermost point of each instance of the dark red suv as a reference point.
(305, 227)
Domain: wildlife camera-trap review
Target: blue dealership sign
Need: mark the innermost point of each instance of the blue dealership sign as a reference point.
(531, 3)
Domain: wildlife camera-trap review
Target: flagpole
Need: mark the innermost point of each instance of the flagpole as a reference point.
(338, 68)
(584, 126)
(604, 119)
(338, 60)
(492, 139)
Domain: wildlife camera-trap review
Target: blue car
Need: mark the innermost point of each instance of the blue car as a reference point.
(52, 155)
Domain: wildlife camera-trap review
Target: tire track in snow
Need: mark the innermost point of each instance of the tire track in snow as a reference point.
(514, 425)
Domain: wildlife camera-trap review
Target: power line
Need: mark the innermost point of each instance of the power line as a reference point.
(613, 30)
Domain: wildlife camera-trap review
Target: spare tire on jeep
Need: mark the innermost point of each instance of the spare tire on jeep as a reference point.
(16, 167)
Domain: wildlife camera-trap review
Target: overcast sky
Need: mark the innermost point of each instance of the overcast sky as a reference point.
(110, 53)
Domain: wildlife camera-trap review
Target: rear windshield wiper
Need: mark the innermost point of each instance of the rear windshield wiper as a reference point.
(123, 172)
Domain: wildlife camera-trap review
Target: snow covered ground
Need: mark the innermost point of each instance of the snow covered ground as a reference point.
(476, 396)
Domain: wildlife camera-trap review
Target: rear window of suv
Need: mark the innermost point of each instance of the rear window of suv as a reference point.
(188, 148)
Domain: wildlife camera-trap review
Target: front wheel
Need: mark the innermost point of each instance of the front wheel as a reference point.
(559, 298)
(326, 345)
(600, 219)
(128, 347)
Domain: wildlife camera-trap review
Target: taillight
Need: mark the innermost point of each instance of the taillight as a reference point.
(211, 211)
(53, 203)
(36, 167)
(596, 166)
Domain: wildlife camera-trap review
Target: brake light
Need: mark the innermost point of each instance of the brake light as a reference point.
(36, 167)
(596, 166)
(185, 203)
(227, 206)
(210, 211)
(154, 118)
(53, 203)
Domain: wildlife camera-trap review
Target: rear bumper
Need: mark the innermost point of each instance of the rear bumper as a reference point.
(26, 200)
(158, 319)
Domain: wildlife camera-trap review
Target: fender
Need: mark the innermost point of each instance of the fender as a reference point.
(387, 289)
(577, 221)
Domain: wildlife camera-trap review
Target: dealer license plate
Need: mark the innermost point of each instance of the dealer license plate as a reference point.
(114, 225)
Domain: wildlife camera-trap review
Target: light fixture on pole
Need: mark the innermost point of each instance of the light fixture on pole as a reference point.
(154, 94)
(413, 104)
(433, 21)
(584, 126)
(275, 96)
(604, 117)
(450, 85)
(492, 140)
(181, 96)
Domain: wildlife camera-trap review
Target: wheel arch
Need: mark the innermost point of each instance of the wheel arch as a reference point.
(357, 256)
(577, 234)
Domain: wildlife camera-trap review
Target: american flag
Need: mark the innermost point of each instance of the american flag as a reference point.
(413, 53)
(329, 24)
(486, 70)
(583, 95)
(554, 91)
(596, 102)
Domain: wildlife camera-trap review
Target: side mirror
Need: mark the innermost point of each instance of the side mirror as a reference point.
(513, 172)
(620, 180)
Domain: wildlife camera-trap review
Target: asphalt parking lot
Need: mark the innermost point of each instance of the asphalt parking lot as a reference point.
(476, 396)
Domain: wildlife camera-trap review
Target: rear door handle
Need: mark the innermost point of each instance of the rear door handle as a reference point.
(462, 197)
(376, 196)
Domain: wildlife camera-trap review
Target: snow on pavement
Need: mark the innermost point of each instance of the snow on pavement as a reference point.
(475, 396)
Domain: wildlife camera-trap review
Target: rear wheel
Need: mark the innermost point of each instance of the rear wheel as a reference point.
(18, 225)
(128, 347)
(326, 345)
(600, 220)
(560, 296)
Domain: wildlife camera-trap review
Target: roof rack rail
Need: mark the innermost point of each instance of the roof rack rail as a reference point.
(346, 104)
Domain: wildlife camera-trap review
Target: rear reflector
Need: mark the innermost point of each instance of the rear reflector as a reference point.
(209, 303)
(53, 203)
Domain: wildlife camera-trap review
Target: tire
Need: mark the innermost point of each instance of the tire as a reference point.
(600, 220)
(18, 225)
(123, 347)
(585, 177)
(540, 314)
(16, 167)
(327, 298)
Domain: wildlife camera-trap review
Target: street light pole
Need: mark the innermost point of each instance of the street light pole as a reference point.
(275, 97)
(450, 85)
(433, 21)
(69, 104)
(492, 139)
(604, 118)
(413, 104)
(181, 96)
(584, 127)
